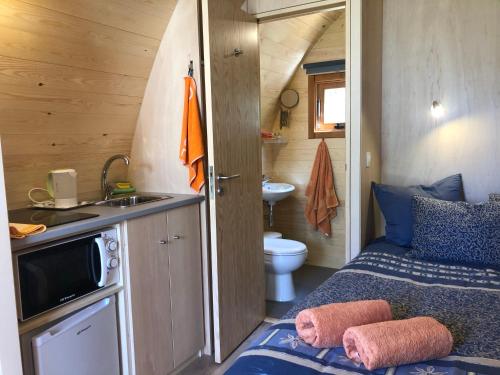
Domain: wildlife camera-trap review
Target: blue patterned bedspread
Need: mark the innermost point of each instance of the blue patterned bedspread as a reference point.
(466, 300)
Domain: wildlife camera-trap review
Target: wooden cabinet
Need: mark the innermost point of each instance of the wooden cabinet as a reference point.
(166, 289)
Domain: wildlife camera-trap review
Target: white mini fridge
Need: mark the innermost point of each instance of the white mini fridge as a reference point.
(84, 344)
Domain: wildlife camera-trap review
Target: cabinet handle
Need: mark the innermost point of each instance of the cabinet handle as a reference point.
(163, 242)
(176, 237)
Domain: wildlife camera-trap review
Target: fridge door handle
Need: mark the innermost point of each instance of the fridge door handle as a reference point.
(102, 255)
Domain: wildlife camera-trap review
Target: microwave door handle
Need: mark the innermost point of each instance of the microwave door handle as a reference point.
(102, 255)
(93, 249)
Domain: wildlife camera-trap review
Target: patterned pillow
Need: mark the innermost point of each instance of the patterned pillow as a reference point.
(457, 232)
(396, 204)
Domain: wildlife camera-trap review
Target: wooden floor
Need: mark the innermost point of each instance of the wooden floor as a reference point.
(206, 366)
(306, 280)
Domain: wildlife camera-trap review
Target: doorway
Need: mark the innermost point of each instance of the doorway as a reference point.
(295, 52)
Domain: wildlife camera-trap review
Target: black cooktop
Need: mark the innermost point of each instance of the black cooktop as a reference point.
(49, 218)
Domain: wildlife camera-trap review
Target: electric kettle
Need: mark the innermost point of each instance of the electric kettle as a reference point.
(61, 186)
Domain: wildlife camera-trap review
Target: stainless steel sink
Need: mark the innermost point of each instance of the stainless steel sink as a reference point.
(132, 200)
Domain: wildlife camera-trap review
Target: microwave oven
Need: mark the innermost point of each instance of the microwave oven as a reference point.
(55, 274)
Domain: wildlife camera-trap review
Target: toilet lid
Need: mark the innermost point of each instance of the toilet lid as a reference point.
(272, 235)
(279, 246)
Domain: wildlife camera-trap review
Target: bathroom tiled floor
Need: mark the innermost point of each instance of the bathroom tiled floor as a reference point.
(306, 279)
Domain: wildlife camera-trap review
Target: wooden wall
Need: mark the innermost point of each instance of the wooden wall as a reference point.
(155, 164)
(271, 8)
(293, 162)
(371, 116)
(72, 77)
(455, 59)
(283, 44)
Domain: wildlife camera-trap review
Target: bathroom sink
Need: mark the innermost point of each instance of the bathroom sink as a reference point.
(132, 200)
(273, 192)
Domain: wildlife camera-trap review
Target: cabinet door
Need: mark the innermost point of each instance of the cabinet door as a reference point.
(150, 294)
(185, 281)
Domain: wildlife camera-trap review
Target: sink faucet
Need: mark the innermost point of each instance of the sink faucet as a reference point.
(265, 179)
(105, 188)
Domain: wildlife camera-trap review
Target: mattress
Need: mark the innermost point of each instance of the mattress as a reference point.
(465, 299)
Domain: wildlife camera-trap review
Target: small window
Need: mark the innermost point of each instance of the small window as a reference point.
(327, 105)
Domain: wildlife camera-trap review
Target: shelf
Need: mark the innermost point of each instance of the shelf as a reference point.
(281, 140)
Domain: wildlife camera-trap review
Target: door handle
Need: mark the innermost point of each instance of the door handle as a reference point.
(220, 178)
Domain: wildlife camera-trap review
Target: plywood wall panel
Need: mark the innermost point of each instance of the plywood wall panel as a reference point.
(72, 79)
(371, 115)
(155, 162)
(15, 121)
(144, 17)
(32, 74)
(331, 45)
(456, 60)
(263, 8)
(40, 34)
(48, 100)
(283, 44)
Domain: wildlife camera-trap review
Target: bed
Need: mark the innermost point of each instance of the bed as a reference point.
(465, 299)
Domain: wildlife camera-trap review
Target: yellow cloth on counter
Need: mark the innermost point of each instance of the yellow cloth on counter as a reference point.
(19, 231)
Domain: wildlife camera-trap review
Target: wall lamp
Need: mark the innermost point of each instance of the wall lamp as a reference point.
(437, 110)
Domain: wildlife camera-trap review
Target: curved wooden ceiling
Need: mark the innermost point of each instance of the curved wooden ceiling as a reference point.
(72, 78)
(283, 45)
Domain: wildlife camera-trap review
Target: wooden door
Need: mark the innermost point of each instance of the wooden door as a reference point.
(186, 289)
(234, 148)
(150, 294)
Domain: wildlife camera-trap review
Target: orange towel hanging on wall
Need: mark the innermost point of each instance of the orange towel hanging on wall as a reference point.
(191, 150)
(322, 201)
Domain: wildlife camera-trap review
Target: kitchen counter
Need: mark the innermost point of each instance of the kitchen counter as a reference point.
(107, 216)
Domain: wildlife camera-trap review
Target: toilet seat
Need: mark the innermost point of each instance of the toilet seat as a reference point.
(279, 246)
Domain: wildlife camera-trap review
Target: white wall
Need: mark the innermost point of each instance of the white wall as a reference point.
(10, 355)
(155, 164)
(447, 50)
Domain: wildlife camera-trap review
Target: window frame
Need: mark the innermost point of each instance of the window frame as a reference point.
(317, 84)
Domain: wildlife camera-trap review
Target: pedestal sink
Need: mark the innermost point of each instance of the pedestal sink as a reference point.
(273, 192)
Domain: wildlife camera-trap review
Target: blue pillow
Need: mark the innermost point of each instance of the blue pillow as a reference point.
(396, 204)
(457, 232)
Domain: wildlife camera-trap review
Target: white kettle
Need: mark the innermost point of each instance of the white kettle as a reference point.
(61, 186)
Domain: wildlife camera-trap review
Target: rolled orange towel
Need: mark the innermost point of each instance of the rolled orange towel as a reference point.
(397, 342)
(324, 326)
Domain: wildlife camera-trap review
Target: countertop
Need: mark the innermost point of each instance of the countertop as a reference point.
(107, 216)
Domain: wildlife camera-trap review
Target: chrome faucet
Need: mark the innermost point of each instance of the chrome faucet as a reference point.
(265, 179)
(105, 188)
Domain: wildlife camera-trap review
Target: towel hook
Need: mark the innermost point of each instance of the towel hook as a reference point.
(190, 68)
(237, 52)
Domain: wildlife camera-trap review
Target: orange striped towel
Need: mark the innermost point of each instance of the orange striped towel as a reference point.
(19, 231)
(192, 150)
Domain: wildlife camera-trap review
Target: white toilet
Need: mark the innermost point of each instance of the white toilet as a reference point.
(282, 257)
